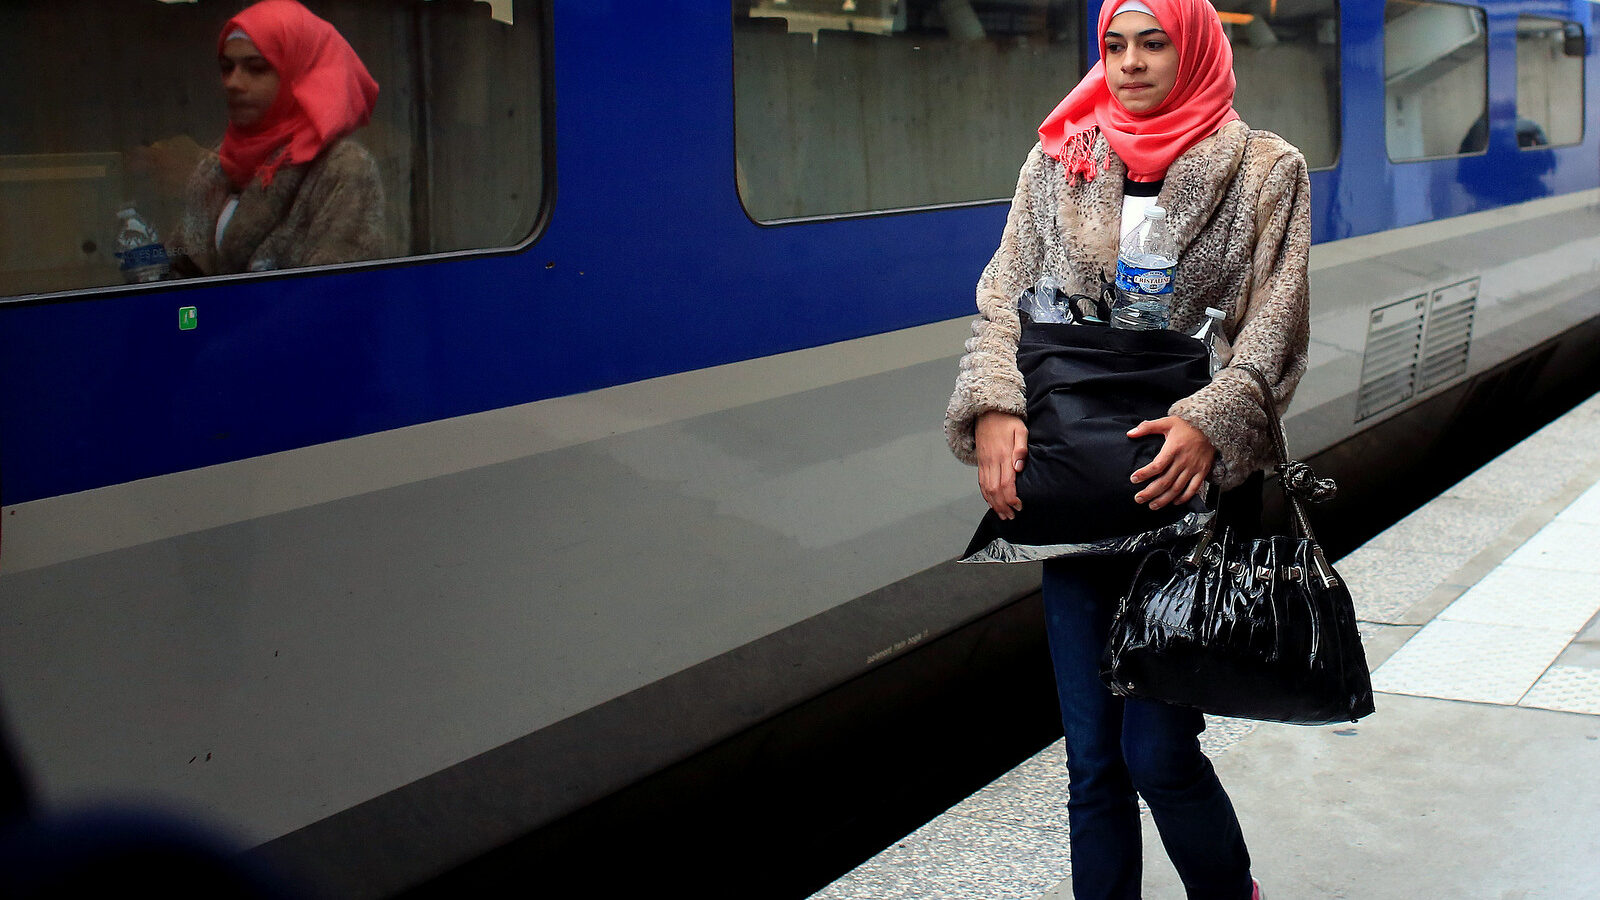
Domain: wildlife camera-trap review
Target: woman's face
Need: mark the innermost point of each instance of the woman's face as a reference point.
(248, 80)
(1141, 63)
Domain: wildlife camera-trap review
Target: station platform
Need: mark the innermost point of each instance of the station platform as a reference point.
(1477, 777)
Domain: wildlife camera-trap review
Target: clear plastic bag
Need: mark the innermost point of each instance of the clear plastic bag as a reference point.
(1045, 302)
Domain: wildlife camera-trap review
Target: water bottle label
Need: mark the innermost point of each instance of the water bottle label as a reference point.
(139, 257)
(1141, 280)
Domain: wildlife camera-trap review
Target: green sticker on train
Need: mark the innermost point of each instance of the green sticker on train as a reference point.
(186, 318)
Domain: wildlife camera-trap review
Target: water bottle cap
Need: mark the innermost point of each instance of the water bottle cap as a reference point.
(1215, 313)
(1155, 212)
(126, 212)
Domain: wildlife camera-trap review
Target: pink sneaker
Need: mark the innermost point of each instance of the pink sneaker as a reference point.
(1255, 890)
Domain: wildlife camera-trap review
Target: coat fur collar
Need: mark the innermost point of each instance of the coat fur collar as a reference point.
(260, 210)
(1196, 183)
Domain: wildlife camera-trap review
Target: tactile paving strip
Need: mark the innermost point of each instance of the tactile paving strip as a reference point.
(1563, 544)
(1584, 509)
(1470, 661)
(1497, 642)
(1568, 689)
(1533, 598)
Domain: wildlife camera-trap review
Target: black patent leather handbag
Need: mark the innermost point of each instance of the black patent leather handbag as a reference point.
(1257, 628)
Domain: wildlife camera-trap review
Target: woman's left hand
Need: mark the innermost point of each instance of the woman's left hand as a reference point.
(1180, 469)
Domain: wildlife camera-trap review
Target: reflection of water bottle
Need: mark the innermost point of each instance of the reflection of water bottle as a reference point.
(1145, 266)
(1210, 334)
(144, 258)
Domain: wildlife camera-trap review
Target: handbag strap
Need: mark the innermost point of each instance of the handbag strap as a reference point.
(1087, 310)
(1297, 479)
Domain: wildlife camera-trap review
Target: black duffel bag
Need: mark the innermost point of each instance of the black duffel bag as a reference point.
(1087, 387)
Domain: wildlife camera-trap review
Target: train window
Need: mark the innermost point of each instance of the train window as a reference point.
(1286, 60)
(109, 105)
(889, 104)
(1549, 82)
(1435, 72)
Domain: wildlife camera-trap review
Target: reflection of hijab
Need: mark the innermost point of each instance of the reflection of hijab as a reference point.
(1201, 100)
(324, 92)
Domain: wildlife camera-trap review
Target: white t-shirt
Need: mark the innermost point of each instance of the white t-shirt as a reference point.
(1133, 212)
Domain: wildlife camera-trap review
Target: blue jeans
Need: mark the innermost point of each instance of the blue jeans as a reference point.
(1116, 747)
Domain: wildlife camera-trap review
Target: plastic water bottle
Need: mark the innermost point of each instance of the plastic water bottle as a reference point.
(143, 256)
(1044, 302)
(1210, 334)
(1145, 267)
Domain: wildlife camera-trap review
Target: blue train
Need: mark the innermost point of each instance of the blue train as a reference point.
(632, 457)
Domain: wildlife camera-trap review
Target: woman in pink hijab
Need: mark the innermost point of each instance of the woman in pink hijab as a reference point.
(288, 187)
(1151, 124)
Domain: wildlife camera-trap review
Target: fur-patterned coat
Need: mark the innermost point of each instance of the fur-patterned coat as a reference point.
(330, 210)
(1239, 206)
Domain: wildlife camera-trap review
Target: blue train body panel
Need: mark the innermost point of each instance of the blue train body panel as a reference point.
(647, 265)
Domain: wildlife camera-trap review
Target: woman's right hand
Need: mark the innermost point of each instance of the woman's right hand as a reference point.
(1002, 442)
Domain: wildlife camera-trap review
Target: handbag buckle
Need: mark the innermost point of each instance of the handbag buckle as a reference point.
(1203, 549)
(1325, 573)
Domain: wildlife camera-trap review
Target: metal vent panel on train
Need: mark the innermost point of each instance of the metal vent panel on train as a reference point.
(1448, 340)
(1394, 348)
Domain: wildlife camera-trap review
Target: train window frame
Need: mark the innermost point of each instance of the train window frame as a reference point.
(539, 221)
(1077, 41)
(1483, 31)
(1336, 119)
(1583, 79)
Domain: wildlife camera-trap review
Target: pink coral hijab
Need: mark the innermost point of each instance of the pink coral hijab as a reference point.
(324, 91)
(1201, 100)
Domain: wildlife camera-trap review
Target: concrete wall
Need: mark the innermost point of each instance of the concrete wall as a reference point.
(1550, 88)
(861, 122)
(1431, 117)
(1291, 89)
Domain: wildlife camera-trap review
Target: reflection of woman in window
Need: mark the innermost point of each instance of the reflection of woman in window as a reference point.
(288, 188)
(1153, 122)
